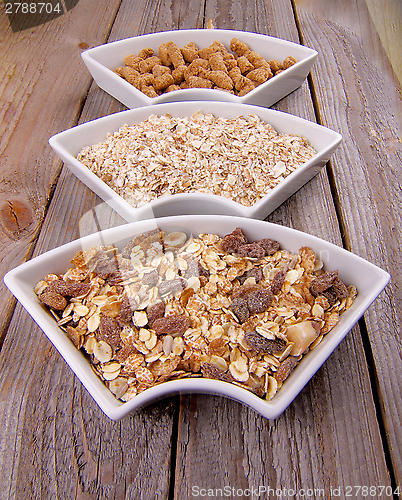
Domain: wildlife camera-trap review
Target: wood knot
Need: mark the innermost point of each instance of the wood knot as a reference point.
(83, 45)
(16, 218)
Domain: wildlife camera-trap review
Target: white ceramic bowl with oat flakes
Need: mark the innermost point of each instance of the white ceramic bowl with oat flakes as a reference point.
(102, 62)
(196, 158)
(353, 271)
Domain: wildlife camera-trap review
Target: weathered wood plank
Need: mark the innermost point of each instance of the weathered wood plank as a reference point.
(223, 443)
(364, 104)
(43, 82)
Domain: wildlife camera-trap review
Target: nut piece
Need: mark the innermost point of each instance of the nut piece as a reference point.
(302, 335)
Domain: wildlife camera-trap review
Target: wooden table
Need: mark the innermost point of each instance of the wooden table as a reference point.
(343, 433)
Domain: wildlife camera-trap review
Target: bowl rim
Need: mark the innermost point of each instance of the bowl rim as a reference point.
(115, 409)
(90, 55)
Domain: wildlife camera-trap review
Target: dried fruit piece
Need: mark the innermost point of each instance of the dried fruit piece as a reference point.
(256, 273)
(270, 246)
(126, 311)
(278, 281)
(109, 331)
(251, 250)
(340, 289)
(244, 290)
(233, 241)
(258, 301)
(261, 344)
(75, 337)
(322, 282)
(210, 371)
(173, 325)
(285, 368)
(155, 312)
(195, 268)
(150, 279)
(53, 300)
(59, 286)
(239, 308)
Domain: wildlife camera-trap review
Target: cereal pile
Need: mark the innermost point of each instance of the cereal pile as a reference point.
(167, 307)
(241, 159)
(175, 68)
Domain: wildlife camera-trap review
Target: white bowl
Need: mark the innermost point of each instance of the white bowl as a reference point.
(369, 280)
(105, 58)
(68, 144)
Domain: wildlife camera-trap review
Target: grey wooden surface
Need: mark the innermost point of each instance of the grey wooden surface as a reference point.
(344, 428)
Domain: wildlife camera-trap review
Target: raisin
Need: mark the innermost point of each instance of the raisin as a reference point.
(244, 290)
(109, 331)
(124, 353)
(75, 337)
(151, 279)
(211, 371)
(258, 301)
(196, 269)
(330, 295)
(173, 325)
(232, 241)
(285, 368)
(78, 289)
(340, 289)
(155, 312)
(113, 278)
(59, 286)
(127, 248)
(69, 289)
(106, 268)
(126, 312)
(266, 346)
(240, 309)
(252, 250)
(322, 282)
(277, 281)
(269, 246)
(53, 300)
(172, 286)
(256, 273)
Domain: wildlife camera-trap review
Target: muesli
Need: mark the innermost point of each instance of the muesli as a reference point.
(167, 306)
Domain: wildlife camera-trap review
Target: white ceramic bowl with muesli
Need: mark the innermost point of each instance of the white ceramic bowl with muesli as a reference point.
(218, 305)
(200, 64)
(196, 158)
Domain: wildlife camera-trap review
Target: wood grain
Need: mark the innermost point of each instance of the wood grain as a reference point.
(43, 83)
(364, 104)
